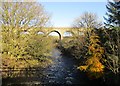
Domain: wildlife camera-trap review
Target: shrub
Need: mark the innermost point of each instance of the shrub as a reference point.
(93, 66)
(20, 51)
(39, 46)
(75, 47)
(110, 39)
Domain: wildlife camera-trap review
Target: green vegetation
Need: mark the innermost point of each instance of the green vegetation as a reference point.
(22, 47)
(98, 55)
(98, 51)
(25, 51)
(110, 39)
(113, 14)
(74, 46)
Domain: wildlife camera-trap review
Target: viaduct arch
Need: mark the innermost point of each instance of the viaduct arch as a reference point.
(60, 37)
(61, 31)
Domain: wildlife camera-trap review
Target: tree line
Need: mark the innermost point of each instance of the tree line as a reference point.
(99, 47)
(98, 51)
(21, 46)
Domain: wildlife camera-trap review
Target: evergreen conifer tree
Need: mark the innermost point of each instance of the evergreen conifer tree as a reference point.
(113, 14)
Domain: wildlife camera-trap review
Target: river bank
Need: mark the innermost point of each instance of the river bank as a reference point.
(63, 71)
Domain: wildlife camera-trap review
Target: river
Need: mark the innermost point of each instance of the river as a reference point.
(62, 72)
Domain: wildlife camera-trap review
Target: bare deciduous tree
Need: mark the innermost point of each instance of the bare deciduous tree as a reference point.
(87, 20)
(23, 15)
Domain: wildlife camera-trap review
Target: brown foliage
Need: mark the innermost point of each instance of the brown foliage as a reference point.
(94, 67)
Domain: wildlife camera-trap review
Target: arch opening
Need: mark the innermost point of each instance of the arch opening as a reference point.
(40, 33)
(24, 32)
(68, 34)
(55, 33)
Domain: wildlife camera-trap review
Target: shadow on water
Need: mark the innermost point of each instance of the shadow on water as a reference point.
(62, 72)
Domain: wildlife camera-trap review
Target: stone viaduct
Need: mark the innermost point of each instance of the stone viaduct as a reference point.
(62, 30)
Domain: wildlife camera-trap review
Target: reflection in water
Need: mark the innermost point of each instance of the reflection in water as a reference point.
(63, 71)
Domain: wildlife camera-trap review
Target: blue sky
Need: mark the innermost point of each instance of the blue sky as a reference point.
(64, 13)
(71, 0)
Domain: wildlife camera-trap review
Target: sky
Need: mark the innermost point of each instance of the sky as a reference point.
(72, 0)
(64, 13)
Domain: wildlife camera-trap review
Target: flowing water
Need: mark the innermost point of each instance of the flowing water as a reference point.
(63, 71)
